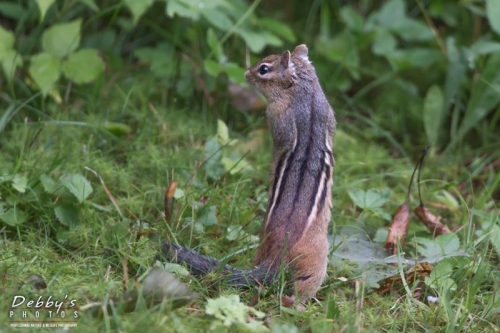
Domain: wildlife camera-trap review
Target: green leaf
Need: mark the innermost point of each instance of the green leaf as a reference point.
(73, 69)
(279, 28)
(229, 311)
(118, 129)
(67, 214)
(485, 95)
(213, 155)
(12, 10)
(49, 185)
(11, 60)
(256, 41)
(233, 232)
(433, 108)
(91, 4)
(44, 6)
(414, 57)
(45, 70)
(20, 183)
(353, 20)
(78, 185)
(392, 16)
(182, 8)
(342, 49)
(440, 277)
(209, 216)
(493, 14)
(215, 46)
(443, 245)
(482, 46)
(217, 18)
(138, 8)
(7, 40)
(161, 60)
(13, 217)
(372, 198)
(222, 131)
(62, 39)
(384, 43)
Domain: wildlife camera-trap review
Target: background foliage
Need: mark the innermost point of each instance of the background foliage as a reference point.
(104, 103)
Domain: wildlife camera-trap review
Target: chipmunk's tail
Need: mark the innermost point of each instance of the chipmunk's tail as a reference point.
(200, 266)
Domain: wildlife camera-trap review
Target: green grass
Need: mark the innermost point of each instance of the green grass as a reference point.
(166, 142)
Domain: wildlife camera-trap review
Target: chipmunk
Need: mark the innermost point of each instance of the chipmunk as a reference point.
(294, 231)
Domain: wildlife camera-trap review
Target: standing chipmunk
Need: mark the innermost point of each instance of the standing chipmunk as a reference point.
(294, 232)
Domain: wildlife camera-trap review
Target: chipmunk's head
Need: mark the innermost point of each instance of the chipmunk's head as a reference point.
(275, 75)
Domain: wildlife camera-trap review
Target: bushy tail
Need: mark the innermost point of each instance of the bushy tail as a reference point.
(200, 266)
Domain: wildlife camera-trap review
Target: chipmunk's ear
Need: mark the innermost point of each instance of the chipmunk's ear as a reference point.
(301, 52)
(285, 59)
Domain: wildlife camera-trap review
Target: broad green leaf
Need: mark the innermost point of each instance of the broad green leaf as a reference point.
(62, 39)
(182, 9)
(433, 108)
(483, 46)
(49, 185)
(279, 28)
(222, 131)
(218, 18)
(440, 277)
(392, 15)
(78, 185)
(372, 198)
(138, 7)
(12, 10)
(73, 69)
(13, 216)
(235, 165)
(11, 61)
(212, 154)
(91, 4)
(353, 20)
(67, 214)
(179, 193)
(385, 43)
(233, 232)
(342, 49)
(44, 6)
(45, 69)
(443, 245)
(493, 14)
(161, 60)
(256, 41)
(20, 183)
(485, 95)
(228, 311)
(212, 67)
(7, 40)
(215, 46)
(414, 57)
(209, 216)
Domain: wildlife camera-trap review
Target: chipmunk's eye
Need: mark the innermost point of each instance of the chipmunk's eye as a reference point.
(263, 69)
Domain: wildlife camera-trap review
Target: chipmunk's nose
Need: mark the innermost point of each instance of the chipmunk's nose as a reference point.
(247, 74)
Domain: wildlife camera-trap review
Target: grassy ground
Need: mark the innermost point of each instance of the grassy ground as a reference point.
(139, 140)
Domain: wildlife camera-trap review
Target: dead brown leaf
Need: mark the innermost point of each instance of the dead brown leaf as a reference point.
(398, 229)
(431, 221)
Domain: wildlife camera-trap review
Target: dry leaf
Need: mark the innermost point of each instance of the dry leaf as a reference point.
(395, 283)
(398, 229)
(431, 221)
